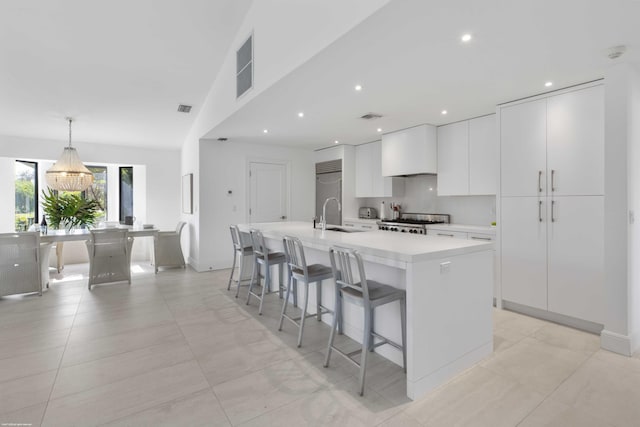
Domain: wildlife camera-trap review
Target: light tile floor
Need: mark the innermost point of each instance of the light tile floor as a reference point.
(178, 349)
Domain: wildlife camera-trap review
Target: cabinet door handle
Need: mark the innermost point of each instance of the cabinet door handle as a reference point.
(553, 186)
(539, 181)
(367, 226)
(481, 238)
(553, 203)
(540, 210)
(444, 234)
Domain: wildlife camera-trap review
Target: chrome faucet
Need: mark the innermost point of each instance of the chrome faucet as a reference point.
(323, 218)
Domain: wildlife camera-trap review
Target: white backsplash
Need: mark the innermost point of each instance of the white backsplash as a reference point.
(420, 195)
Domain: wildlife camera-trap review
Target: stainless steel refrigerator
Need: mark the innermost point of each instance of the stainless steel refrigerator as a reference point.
(329, 184)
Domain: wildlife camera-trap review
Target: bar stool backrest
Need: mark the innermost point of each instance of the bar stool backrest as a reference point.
(235, 237)
(294, 254)
(257, 240)
(341, 261)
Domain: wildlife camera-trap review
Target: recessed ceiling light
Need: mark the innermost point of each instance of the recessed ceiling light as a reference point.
(336, 141)
(300, 114)
(379, 129)
(444, 111)
(358, 88)
(548, 84)
(465, 37)
(266, 131)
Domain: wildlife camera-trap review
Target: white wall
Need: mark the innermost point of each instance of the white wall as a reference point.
(420, 195)
(622, 200)
(281, 44)
(223, 167)
(633, 163)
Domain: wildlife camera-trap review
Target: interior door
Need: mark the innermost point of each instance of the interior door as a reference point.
(267, 192)
(524, 251)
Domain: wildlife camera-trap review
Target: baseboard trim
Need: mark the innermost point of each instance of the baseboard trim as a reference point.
(617, 343)
(584, 325)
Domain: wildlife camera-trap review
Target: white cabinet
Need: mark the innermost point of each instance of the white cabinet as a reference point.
(524, 251)
(576, 257)
(467, 157)
(369, 179)
(453, 159)
(552, 204)
(575, 149)
(410, 151)
(483, 155)
(523, 149)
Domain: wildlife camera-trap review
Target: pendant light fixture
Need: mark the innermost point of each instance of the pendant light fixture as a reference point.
(68, 173)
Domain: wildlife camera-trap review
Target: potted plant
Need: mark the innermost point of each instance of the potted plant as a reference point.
(69, 210)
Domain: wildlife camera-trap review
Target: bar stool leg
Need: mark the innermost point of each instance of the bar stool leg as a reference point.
(295, 292)
(403, 325)
(284, 304)
(233, 267)
(267, 284)
(256, 266)
(304, 314)
(332, 335)
(365, 347)
(371, 318)
(280, 280)
(318, 299)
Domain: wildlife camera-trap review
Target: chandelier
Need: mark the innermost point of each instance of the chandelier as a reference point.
(68, 173)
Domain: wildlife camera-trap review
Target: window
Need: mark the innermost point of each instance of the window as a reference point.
(126, 192)
(98, 190)
(244, 67)
(26, 184)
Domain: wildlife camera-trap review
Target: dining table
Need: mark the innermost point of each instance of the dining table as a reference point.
(60, 236)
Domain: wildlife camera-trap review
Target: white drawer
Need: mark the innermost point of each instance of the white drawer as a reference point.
(482, 237)
(446, 233)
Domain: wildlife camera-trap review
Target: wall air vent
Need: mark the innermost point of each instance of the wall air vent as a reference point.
(371, 116)
(244, 67)
(184, 108)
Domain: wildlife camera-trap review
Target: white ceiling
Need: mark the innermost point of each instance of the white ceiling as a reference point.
(411, 64)
(122, 67)
(119, 67)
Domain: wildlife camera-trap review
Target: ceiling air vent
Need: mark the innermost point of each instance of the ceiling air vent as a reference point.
(371, 116)
(244, 67)
(184, 108)
(222, 139)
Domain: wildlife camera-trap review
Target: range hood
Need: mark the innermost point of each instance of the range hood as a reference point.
(410, 152)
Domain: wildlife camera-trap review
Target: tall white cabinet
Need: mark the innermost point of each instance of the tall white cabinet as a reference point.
(552, 202)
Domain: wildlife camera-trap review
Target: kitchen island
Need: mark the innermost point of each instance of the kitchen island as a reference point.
(449, 295)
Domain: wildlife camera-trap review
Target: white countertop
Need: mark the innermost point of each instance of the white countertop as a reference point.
(375, 245)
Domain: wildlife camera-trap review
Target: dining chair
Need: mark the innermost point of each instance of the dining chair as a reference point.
(21, 266)
(109, 256)
(168, 249)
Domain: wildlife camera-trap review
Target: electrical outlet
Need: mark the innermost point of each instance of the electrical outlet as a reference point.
(445, 267)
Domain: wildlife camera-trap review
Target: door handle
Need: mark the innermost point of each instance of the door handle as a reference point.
(444, 234)
(553, 186)
(481, 238)
(540, 210)
(553, 203)
(539, 181)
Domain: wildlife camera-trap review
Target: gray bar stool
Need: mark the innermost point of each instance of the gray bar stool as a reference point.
(369, 295)
(267, 259)
(300, 272)
(240, 250)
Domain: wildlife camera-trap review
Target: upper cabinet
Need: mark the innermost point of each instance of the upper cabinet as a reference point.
(467, 157)
(369, 179)
(410, 151)
(554, 146)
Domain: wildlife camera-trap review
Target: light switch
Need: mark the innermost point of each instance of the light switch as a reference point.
(445, 267)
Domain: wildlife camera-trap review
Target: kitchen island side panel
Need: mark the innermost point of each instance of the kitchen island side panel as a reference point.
(449, 318)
